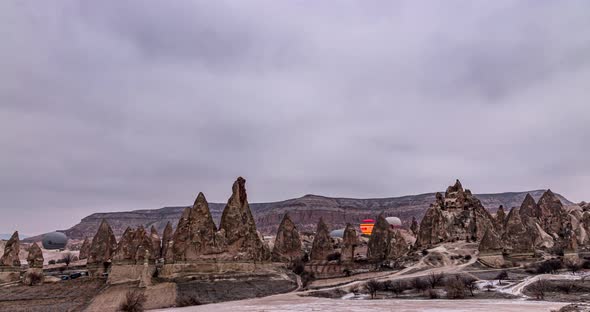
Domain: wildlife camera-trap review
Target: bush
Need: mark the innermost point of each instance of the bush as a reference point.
(469, 283)
(51, 262)
(566, 287)
(549, 267)
(306, 278)
(573, 266)
(419, 284)
(134, 301)
(455, 288)
(467, 257)
(186, 300)
(586, 265)
(424, 252)
(538, 289)
(433, 294)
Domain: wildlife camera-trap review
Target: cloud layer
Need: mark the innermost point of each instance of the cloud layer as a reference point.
(117, 105)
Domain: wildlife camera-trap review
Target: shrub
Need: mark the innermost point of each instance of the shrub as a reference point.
(573, 266)
(186, 300)
(398, 287)
(467, 257)
(372, 287)
(538, 289)
(433, 294)
(51, 262)
(306, 278)
(566, 287)
(586, 265)
(419, 284)
(455, 288)
(502, 276)
(424, 252)
(134, 301)
(549, 267)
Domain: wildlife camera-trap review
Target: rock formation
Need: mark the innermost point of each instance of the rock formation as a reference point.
(500, 219)
(414, 227)
(287, 247)
(398, 246)
(552, 217)
(350, 242)
(322, 245)
(11, 250)
(456, 216)
(35, 257)
(237, 223)
(378, 247)
(167, 242)
(517, 237)
(103, 245)
(85, 249)
(135, 245)
(156, 242)
(196, 233)
(491, 243)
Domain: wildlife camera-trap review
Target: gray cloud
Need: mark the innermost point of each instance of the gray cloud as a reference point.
(117, 105)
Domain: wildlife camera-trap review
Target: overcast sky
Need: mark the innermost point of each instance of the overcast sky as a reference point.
(119, 105)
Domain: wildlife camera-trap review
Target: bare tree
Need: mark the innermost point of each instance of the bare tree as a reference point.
(573, 266)
(419, 284)
(67, 259)
(134, 301)
(470, 284)
(373, 287)
(539, 288)
(502, 276)
(435, 279)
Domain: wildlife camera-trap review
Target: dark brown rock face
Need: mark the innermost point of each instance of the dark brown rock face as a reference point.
(11, 250)
(456, 216)
(398, 246)
(156, 242)
(322, 245)
(414, 227)
(239, 227)
(167, 242)
(134, 247)
(35, 257)
(491, 243)
(287, 245)
(85, 249)
(552, 216)
(103, 245)
(195, 234)
(349, 243)
(378, 247)
(518, 236)
(500, 219)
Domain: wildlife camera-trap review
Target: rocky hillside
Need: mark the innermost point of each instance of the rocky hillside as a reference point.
(304, 211)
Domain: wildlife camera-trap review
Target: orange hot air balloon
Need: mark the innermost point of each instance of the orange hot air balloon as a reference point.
(367, 226)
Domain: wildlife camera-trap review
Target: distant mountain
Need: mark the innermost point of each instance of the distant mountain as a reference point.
(7, 236)
(304, 211)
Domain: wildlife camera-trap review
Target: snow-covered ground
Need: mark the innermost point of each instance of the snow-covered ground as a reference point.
(291, 302)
